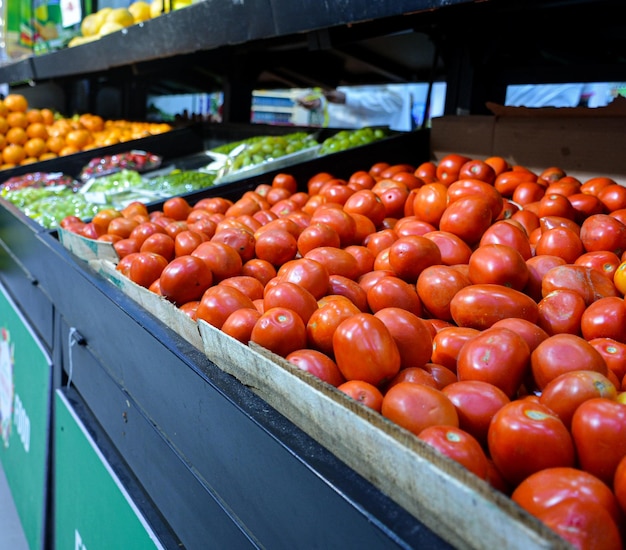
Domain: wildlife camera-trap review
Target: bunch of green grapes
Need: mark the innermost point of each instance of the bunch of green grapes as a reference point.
(346, 139)
(181, 181)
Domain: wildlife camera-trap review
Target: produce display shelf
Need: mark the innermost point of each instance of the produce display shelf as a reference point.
(175, 416)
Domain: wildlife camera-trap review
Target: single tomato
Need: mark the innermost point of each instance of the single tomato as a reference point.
(363, 392)
(185, 279)
(317, 364)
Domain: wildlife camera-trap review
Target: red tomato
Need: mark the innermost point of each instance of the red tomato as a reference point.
(605, 318)
(449, 166)
(599, 433)
(365, 349)
(239, 323)
(505, 232)
(394, 292)
(480, 306)
(176, 208)
(410, 225)
(468, 218)
(292, 296)
(530, 332)
(325, 320)
(443, 376)
(277, 246)
(594, 185)
(498, 356)
(415, 375)
(560, 241)
(499, 264)
(160, 243)
(585, 525)
(410, 255)
(588, 282)
(415, 407)
(280, 330)
(561, 311)
(479, 170)
(619, 484)
(614, 354)
(452, 248)
(561, 353)
(469, 187)
(317, 364)
(340, 221)
(603, 232)
(506, 182)
(364, 258)
(613, 197)
(250, 286)
(221, 258)
(430, 202)
(339, 285)
(436, 286)
(567, 391)
(411, 334)
(458, 445)
(542, 490)
(605, 261)
(368, 203)
(219, 302)
(142, 231)
(476, 403)
(585, 205)
(336, 260)
(185, 279)
(186, 241)
(538, 266)
(146, 268)
(306, 272)
(393, 194)
(526, 437)
(239, 238)
(363, 392)
(381, 240)
(317, 234)
(259, 269)
(285, 181)
(447, 344)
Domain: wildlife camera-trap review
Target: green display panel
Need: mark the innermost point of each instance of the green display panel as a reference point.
(25, 394)
(93, 511)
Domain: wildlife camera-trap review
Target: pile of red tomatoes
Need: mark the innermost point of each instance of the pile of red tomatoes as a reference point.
(477, 304)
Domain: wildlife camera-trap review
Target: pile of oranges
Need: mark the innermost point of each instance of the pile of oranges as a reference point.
(29, 135)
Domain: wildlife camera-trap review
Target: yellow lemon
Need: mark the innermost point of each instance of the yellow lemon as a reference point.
(140, 10)
(109, 26)
(178, 4)
(121, 16)
(156, 8)
(90, 25)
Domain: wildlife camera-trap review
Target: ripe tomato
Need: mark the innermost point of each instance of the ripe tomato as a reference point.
(250, 286)
(569, 390)
(410, 255)
(259, 269)
(185, 279)
(177, 208)
(594, 185)
(499, 264)
(415, 407)
(526, 437)
(603, 232)
(290, 295)
(458, 445)
(124, 247)
(342, 222)
(588, 282)
(453, 249)
(219, 301)
(364, 258)
(221, 258)
(363, 392)
(605, 318)
(336, 260)
(599, 433)
(308, 273)
(443, 376)
(430, 201)
(368, 203)
(239, 238)
(325, 320)
(239, 323)
(498, 356)
(614, 354)
(411, 334)
(317, 234)
(508, 233)
(142, 231)
(411, 225)
(507, 181)
(530, 332)
(280, 330)
(479, 170)
(415, 375)
(317, 364)
(605, 261)
(146, 268)
(481, 305)
(391, 291)
(467, 217)
(542, 490)
(561, 311)
(393, 194)
(561, 353)
(436, 286)
(365, 349)
(186, 241)
(160, 243)
(476, 403)
(285, 181)
(560, 241)
(613, 197)
(449, 166)
(471, 187)
(538, 266)
(583, 524)
(447, 344)
(339, 285)
(276, 246)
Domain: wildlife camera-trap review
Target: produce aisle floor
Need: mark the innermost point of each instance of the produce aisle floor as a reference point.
(11, 533)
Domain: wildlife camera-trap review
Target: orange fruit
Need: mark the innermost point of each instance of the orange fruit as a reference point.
(77, 138)
(16, 103)
(92, 123)
(3, 108)
(7, 166)
(16, 135)
(60, 127)
(47, 116)
(55, 143)
(47, 156)
(17, 119)
(35, 147)
(3, 142)
(29, 160)
(37, 129)
(34, 115)
(68, 150)
(13, 154)
(4, 125)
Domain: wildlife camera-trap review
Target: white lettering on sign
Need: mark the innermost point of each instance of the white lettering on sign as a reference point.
(78, 541)
(22, 422)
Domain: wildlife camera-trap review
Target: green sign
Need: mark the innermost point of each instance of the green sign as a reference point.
(25, 393)
(93, 511)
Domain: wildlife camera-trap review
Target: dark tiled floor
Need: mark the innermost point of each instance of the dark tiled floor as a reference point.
(11, 533)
